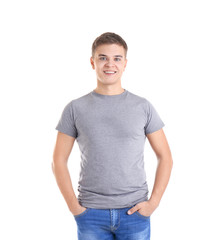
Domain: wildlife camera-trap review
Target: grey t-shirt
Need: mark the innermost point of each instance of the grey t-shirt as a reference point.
(110, 131)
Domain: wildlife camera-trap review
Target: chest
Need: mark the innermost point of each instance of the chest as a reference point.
(117, 121)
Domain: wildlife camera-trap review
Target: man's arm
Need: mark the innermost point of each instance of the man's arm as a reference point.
(161, 148)
(62, 150)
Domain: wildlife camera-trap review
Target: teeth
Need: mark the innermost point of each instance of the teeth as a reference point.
(109, 72)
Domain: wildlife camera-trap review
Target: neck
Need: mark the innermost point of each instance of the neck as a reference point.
(109, 89)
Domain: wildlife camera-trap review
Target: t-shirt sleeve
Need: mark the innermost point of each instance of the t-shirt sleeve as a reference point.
(66, 122)
(154, 122)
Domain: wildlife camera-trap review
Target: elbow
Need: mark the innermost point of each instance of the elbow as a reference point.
(171, 163)
(52, 167)
(58, 162)
(54, 164)
(170, 160)
(166, 158)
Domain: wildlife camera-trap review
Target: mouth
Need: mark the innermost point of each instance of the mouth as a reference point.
(110, 72)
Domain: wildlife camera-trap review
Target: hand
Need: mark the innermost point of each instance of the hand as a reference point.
(80, 209)
(145, 208)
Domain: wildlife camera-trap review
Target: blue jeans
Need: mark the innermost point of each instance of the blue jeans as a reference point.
(112, 224)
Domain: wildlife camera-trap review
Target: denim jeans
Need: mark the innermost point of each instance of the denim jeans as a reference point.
(112, 224)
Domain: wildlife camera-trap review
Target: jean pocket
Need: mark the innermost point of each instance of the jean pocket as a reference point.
(82, 214)
(140, 215)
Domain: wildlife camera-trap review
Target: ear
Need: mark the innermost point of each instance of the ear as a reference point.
(92, 62)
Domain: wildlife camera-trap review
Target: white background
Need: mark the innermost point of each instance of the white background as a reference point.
(45, 47)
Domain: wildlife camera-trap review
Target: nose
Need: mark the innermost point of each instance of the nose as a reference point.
(110, 62)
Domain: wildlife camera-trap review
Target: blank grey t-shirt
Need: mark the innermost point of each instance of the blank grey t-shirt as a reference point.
(110, 131)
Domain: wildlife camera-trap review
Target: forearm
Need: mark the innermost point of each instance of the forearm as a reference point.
(162, 176)
(63, 179)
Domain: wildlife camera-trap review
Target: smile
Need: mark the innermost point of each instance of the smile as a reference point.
(110, 72)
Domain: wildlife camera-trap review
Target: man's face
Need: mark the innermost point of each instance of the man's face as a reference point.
(109, 63)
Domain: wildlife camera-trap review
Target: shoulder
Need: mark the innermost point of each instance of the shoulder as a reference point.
(140, 100)
(76, 102)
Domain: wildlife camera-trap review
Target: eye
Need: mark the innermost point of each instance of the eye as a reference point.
(117, 59)
(102, 58)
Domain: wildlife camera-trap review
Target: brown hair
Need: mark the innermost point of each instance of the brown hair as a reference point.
(109, 38)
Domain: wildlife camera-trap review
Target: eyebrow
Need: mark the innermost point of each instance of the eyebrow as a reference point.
(103, 55)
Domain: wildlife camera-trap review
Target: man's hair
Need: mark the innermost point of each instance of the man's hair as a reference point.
(109, 38)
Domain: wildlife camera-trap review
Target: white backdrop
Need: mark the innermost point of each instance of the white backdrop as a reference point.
(45, 48)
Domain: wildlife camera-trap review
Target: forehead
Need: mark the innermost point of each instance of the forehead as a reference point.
(110, 50)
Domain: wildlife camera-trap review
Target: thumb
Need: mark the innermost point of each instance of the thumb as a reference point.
(132, 210)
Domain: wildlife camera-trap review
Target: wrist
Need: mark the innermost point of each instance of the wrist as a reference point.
(154, 202)
(73, 207)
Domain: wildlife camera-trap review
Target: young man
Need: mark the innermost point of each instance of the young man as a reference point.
(110, 125)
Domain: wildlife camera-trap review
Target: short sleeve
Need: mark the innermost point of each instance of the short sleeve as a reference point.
(66, 122)
(154, 122)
